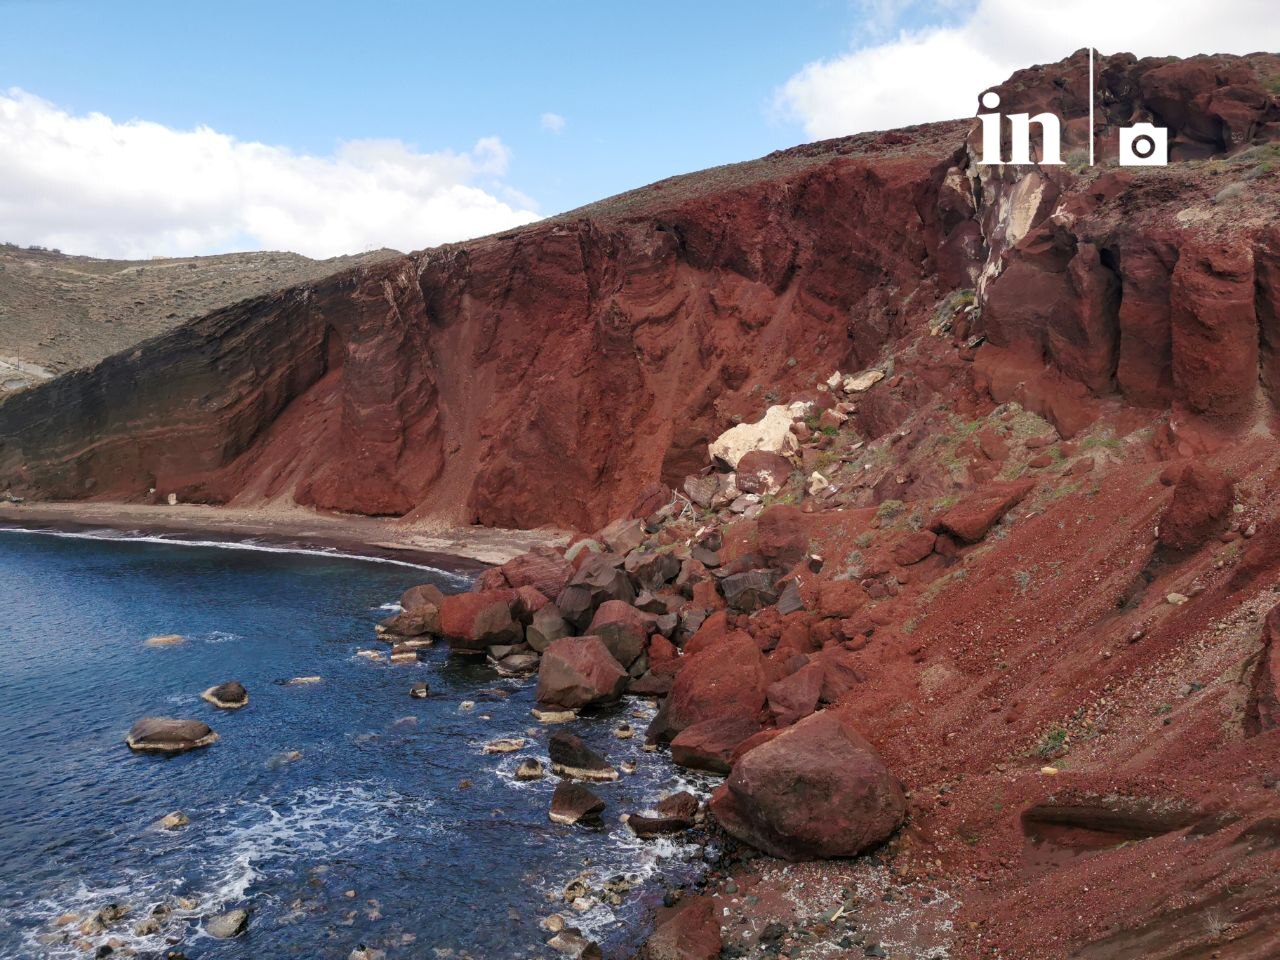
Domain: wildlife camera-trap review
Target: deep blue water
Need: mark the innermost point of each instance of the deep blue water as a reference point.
(374, 805)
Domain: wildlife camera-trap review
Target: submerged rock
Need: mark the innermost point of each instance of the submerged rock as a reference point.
(173, 821)
(167, 640)
(227, 696)
(227, 925)
(420, 690)
(573, 803)
(167, 735)
(530, 769)
(505, 745)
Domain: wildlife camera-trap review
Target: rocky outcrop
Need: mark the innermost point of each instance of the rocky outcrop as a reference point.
(168, 735)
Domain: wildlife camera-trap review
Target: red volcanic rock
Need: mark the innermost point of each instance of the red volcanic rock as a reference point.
(726, 680)
(816, 790)
(1262, 712)
(914, 547)
(713, 630)
(420, 621)
(528, 601)
(543, 568)
(545, 626)
(795, 697)
(1215, 331)
(622, 628)
(599, 579)
(688, 931)
(421, 596)
(840, 598)
(762, 472)
(708, 744)
(971, 518)
(650, 500)
(1201, 503)
(780, 536)
(577, 672)
(473, 621)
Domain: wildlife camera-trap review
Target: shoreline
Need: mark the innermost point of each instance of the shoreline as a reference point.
(461, 550)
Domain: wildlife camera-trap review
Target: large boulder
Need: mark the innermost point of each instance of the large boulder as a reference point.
(167, 735)
(573, 803)
(795, 697)
(623, 629)
(572, 759)
(688, 931)
(725, 680)
(227, 696)
(1201, 503)
(599, 579)
(543, 568)
(816, 790)
(422, 620)
(577, 672)
(971, 518)
(546, 626)
(420, 596)
(708, 744)
(771, 433)
(763, 473)
(473, 621)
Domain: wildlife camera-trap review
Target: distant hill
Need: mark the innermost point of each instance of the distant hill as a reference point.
(60, 312)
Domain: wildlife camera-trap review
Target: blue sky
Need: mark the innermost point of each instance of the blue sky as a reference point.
(224, 123)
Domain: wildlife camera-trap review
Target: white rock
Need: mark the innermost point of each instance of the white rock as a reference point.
(771, 433)
(817, 483)
(862, 381)
(835, 379)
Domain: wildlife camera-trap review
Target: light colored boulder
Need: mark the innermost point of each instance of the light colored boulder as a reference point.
(856, 383)
(771, 433)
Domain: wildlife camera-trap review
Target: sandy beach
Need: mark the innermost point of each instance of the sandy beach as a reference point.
(456, 548)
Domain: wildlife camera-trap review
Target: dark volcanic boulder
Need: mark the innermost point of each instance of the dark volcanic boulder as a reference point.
(547, 625)
(708, 744)
(473, 621)
(623, 629)
(227, 696)
(421, 596)
(572, 758)
(1201, 503)
(578, 671)
(599, 579)
(166, 735)
(750, 591)
(651, 570)
(688, 931)
(573, 803)
(816, 790)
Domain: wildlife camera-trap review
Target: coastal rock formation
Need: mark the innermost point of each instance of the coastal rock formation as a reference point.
(579, 671)
(168, 735)
(227, 696)
(818, 789)
(573, 803)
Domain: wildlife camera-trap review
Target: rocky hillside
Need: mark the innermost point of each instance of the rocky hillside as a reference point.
(60, 313)
(936, 502)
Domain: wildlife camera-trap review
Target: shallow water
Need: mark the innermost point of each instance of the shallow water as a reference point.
(369, 837)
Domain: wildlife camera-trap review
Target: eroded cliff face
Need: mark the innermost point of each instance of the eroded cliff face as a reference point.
(546, 376)
(557, 374)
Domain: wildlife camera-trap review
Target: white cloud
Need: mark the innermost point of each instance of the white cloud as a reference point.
(92, 185)
(937, 73)
(553, 122)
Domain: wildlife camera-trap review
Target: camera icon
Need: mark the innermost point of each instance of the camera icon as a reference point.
(1144, 145)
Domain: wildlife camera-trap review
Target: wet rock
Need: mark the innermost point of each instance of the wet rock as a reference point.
(227, 925)
(420, 690)
(303, 681)
(546, 626)
(553, 716)
(682, 804)
(227, 696)
(573, 944)
(971, 518)
(173, 821)
(505, 745)
(579, 671)
(426, 594)
(622, 628)
(573, 803)
(104, 918)
(473, 621)
(361, 952)
(644, 825)
(404, 653)
(423, 620)
(688, 931)
(530, 769)
(167, 735)
(708, 744)
(816, 790)
(572, 758)
(1199, 509)
(519, 664)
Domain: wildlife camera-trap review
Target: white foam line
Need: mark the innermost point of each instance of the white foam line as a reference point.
(331, 554)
